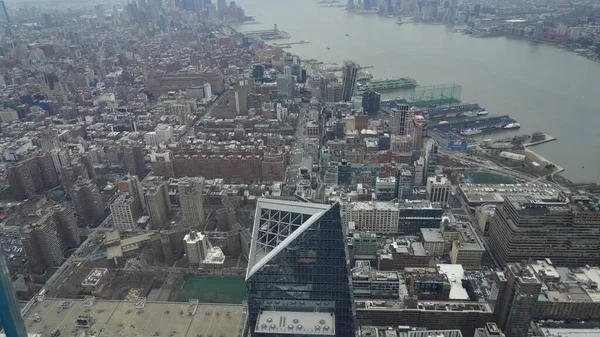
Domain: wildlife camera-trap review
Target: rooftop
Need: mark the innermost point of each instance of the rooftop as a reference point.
(296, 322)
(119, 318)
(496, 193)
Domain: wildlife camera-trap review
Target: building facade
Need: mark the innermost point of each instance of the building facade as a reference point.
(298, 270)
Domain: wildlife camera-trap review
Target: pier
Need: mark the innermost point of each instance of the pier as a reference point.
(546, 140)
(268, 34)
(290, 44)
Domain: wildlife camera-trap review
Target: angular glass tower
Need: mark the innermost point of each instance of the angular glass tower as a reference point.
(298, 278)
(10, 311)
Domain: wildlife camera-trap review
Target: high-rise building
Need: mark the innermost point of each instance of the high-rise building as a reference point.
(190, 198)
(400, 119)
(125, 212)
(10, 310)
(350, 4)
(70, 173)
(4, 18)
(45, 240)
(87, 200)
(431, 154)
(20, 181)
(418, 132)
(195, 247)
(404, 183)
(157, 200)
(133, 159)
(415, 215)
(564, 231)
(31, 176)
(349, 75)
(438, 189)
(520, 297)
(538, 29)
(371, 102)
(284, 86)
(298, 278)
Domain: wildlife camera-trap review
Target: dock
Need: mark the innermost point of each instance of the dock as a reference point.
(290, 44)
(546, 140)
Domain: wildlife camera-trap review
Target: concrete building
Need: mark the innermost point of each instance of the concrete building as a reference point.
(427, 284)
(157, 200)
(563, 230)
(46, 239)
(95, 281)
(125, 212)
(191, 200)
(518, 300)
(362, 246)
(374, 217)
(435, 315)
(438, 189)
(385, 188)
(284, 86)
(467, 250)
(400, 120)
(480, 194)
(87, 200)
(402, 253)
(195, 247)
(133, 159)
(349, 76)
(433, 241)
(418, 214)
(73, 171)
(370, 283)
(418, 131)
(404, 183)
(489, 330)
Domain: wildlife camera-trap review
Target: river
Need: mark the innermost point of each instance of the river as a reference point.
(543, 87)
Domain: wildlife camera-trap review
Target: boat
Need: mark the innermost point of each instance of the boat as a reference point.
(470, 114)
(471, 132)
(514, 125)
(482, 113)
(443, 122)
(347, 34)
(390, 83)
(328, 48)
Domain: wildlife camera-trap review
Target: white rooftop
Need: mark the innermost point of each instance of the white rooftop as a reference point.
(296, 322)
(455, 274)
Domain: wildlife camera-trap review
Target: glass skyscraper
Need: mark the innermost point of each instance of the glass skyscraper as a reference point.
(10, 312)
(298, 279)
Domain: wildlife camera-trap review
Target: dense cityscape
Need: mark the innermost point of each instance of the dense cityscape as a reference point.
(164, 172)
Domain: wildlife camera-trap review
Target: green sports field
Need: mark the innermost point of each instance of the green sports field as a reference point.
(214, 289)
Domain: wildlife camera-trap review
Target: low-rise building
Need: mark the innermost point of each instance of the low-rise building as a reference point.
(95, 281)
(374, 217)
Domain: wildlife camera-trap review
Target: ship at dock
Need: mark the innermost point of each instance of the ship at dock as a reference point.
(387, 84)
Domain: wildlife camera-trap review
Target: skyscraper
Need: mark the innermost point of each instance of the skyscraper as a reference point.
(520, 296)
(350, 72)
(190, 198)
(4, 19)
(10, 311)
(371, 102)
(195, 247)
(298, 277)
(400, 120)
(87, 200)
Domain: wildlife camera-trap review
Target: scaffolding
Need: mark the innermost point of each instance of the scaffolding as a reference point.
(431, 95)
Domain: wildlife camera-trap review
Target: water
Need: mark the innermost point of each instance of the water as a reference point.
(543, 87)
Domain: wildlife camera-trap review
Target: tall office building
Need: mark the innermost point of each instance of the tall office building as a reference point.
(125, 212)
(195, 247)
(46, 239)
(157, 201)
(418, 132)
(10, 310)
(371, 102)
(415, 215)
(4, 19)
(438, 189)
(190, 198)
(70, 173)
(133, 159)
(298, 279)
(349, 75)
(404, 183)
(400, 119)
(88, 202)
(520, 297)
(565, 231)
(284, 86)
(431, 154)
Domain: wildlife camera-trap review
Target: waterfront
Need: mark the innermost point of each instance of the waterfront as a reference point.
(528, 81)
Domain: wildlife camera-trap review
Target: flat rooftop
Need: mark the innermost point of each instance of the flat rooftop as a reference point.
(119, 318)
(496, 193)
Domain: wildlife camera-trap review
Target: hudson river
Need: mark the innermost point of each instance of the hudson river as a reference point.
(543, 87)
